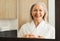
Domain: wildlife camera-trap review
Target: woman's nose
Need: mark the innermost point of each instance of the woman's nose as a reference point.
(38, 12)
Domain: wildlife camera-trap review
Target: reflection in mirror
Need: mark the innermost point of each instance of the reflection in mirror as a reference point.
(39, 26)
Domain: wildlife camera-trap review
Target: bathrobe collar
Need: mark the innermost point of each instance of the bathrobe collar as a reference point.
(41, 24)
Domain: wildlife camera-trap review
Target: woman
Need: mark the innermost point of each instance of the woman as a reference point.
(38, 28)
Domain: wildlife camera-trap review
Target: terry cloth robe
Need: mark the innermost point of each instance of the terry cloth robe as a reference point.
(43, 29)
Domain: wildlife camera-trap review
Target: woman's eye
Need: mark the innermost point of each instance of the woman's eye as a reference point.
(40, 10)
(35, 10)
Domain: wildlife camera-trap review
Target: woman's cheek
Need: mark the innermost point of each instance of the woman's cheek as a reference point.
(33, 14)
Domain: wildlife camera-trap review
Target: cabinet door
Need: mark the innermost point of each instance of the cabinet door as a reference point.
(8, 9)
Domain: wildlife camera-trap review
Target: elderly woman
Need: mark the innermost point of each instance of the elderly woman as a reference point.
(38, 27)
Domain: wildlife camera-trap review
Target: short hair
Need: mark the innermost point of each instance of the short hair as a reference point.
(44, 8)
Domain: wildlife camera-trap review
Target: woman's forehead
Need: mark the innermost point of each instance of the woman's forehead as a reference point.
(38, 6)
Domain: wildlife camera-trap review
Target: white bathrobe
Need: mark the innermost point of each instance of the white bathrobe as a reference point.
(43, 29)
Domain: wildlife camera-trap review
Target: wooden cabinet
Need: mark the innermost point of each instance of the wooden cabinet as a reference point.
(8, 9)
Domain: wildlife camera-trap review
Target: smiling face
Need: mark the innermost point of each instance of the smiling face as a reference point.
(37, 12)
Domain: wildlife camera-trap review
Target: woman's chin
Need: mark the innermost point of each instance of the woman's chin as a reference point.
(38, 18)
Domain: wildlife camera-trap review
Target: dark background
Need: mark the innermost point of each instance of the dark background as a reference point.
(57, 19)
(11, 33)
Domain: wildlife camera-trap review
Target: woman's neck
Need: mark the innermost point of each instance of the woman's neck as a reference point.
(37, 22)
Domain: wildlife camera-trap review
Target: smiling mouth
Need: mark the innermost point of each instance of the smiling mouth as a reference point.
(37, 16)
